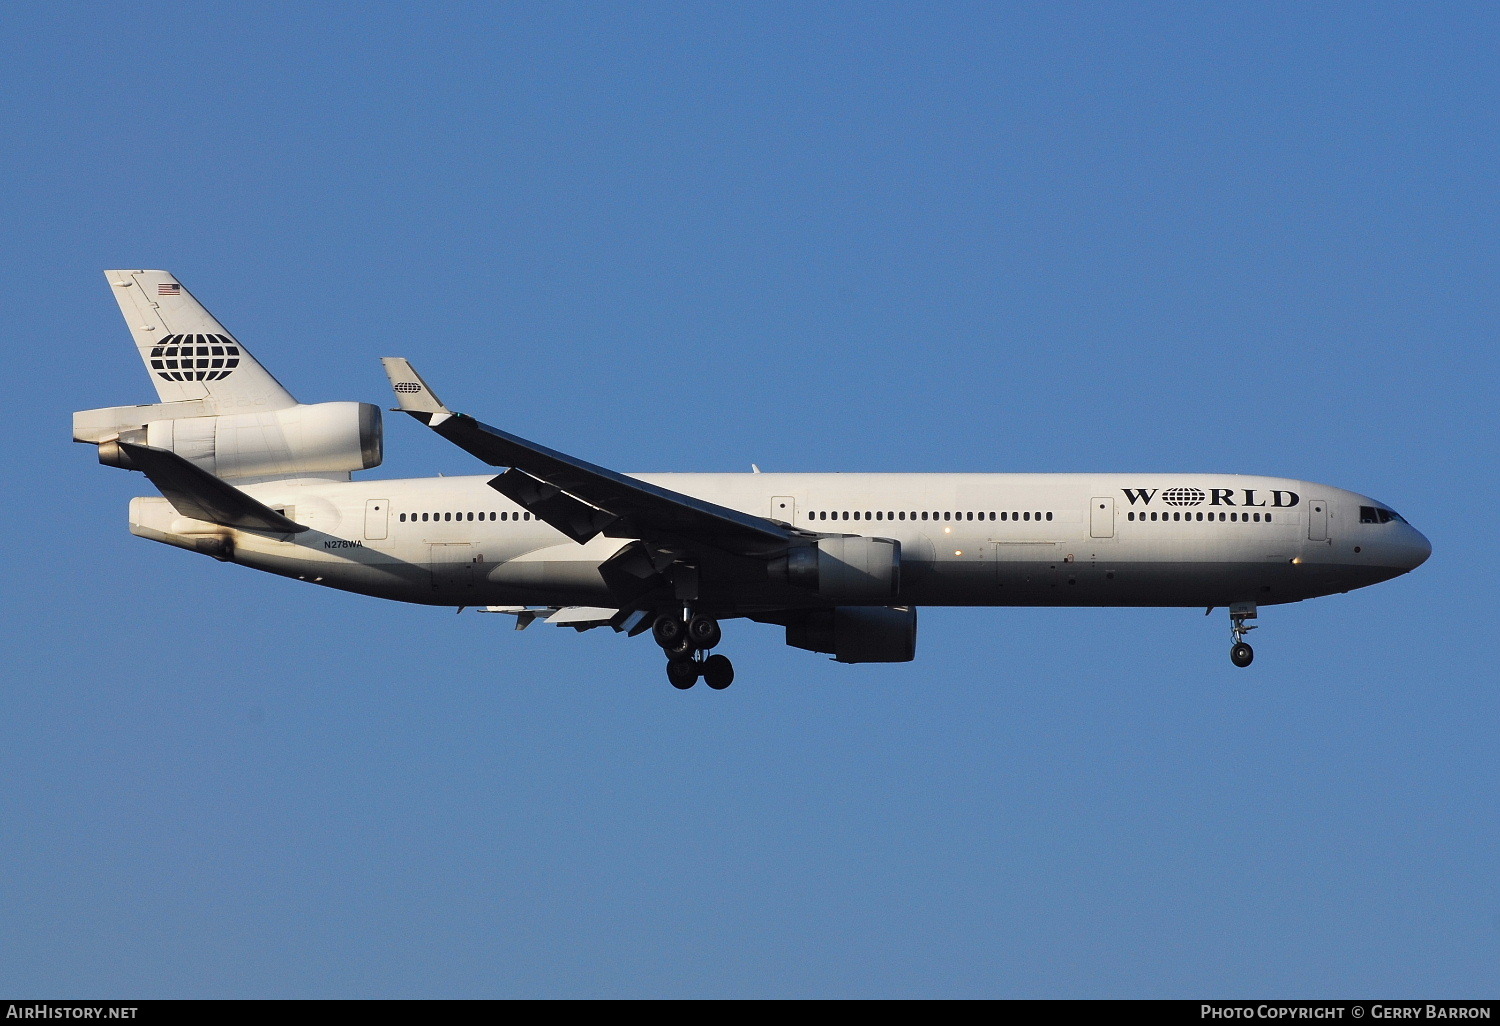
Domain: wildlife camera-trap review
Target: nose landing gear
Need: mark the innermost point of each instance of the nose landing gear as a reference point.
(1241, 654)
(686, 641)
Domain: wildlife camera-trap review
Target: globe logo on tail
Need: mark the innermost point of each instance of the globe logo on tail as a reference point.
(195, 357)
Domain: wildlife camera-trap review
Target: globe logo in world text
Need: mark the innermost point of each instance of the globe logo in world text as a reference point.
(1183, 496)
(195, 357)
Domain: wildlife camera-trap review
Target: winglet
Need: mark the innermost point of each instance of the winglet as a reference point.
(412, 392)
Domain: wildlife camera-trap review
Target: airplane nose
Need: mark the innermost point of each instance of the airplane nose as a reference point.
(1415, 551)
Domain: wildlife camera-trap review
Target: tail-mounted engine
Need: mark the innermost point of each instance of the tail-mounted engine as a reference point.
(844, 569)
(303, 439)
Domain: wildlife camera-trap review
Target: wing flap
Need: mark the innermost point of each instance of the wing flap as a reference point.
(580, 618)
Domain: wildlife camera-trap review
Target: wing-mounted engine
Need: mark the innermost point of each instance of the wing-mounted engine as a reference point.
(857, 634)
(846, 568)
(320, 438)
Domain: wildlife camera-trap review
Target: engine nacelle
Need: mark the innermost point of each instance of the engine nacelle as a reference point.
(858, 634)
(844, 569)
(314, 439)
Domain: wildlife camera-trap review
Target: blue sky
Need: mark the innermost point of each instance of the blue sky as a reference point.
(1252, 238)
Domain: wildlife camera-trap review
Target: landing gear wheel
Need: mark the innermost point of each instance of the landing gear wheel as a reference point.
(682, 648)
(683, 673)
(1241, 654)
(668, 630)
(718, 672)
(704, 632)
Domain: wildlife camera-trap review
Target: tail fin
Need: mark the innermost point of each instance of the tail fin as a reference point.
(188, 354)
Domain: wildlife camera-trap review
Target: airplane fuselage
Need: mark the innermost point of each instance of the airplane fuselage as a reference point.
(965, 539)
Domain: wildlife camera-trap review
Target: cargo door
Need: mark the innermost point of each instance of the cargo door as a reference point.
(454, 568)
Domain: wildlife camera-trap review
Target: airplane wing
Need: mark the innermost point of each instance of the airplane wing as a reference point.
(196, 493)
(583, 500)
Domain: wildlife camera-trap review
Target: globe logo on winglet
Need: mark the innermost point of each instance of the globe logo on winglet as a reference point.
(1184, 496)
(408, 386)
(195, 357)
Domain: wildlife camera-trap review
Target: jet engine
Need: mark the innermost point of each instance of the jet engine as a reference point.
(844, 569)
(305, 439)
(858, 634)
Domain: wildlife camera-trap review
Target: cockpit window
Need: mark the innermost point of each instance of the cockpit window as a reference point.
(1379, 515)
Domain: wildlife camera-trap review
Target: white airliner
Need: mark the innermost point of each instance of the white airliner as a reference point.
(841, 561)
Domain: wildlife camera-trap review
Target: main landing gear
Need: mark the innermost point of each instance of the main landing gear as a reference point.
(1241, 654)
(686, 642)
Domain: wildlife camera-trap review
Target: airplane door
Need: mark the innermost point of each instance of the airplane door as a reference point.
(784, 508)
(1317, 520)
(377, 518)
(1102, 517)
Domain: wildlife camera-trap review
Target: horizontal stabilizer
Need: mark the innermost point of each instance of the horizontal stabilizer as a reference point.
(196, 493)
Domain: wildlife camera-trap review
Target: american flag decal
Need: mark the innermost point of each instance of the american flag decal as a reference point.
(169, 288)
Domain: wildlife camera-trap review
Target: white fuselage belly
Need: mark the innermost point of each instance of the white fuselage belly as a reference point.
(986, 540)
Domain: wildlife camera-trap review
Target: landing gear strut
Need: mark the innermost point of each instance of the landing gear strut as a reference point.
(1241, 654)
(686, 641)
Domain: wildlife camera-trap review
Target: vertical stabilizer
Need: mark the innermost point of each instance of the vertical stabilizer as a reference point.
(188, 354)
